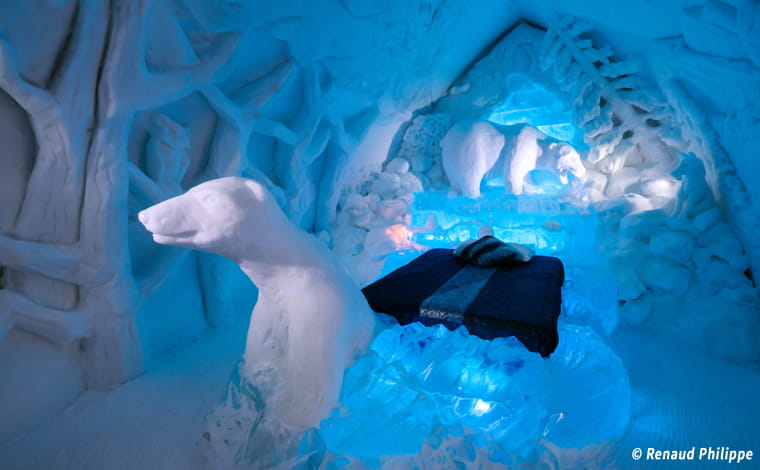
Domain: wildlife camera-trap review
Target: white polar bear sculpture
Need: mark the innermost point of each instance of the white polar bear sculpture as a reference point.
(694, 195)
(473, 149)
(310, 319)
(468, 150)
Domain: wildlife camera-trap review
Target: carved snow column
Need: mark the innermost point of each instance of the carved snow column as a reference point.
(43, 253)
(69, 275)
(127, 86)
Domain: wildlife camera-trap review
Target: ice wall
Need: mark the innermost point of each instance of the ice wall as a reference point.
(647, 172)
(110, 106)
(684, 42)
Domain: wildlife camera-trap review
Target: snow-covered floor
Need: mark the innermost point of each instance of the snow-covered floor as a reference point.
(681, 398)
(152, 422)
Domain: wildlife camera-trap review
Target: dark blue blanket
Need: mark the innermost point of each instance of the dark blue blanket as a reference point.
(521, 299)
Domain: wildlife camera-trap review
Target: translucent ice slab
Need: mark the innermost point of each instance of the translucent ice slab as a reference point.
(544, 223)
(424, 389)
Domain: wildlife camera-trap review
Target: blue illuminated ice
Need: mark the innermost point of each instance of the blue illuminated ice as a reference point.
(546, 224)
(528, 102)
(423, 391)
(427, 397)
(421, 382)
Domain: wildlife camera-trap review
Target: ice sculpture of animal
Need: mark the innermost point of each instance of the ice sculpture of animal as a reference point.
(529, 152)
(694, 196)
(310, 320)
(469, 149)
(566, 161)
(523, 158)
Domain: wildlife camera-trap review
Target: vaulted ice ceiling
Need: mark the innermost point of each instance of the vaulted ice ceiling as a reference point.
(108, 107)
(364, 66)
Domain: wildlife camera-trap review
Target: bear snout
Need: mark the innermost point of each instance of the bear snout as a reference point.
(154, 223)
(166, 218)
(144, 218)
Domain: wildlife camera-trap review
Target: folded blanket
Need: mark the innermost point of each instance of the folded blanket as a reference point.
(489, 251)
(517, 299)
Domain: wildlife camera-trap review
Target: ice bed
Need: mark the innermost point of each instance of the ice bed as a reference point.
(514, 299)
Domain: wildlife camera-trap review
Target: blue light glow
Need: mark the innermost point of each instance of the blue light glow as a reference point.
(539, 221)
(531, 103)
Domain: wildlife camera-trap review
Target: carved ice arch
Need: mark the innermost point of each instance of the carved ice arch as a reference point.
(626, 107)
(638, 125)
(618, 109)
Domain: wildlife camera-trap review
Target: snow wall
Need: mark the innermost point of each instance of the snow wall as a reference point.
(108, 107)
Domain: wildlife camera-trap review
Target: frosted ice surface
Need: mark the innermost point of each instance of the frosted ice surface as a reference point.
(416, 378)
(598, 311)
(428, 388)
(530, 103)
(589, 395)
(540, 221)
